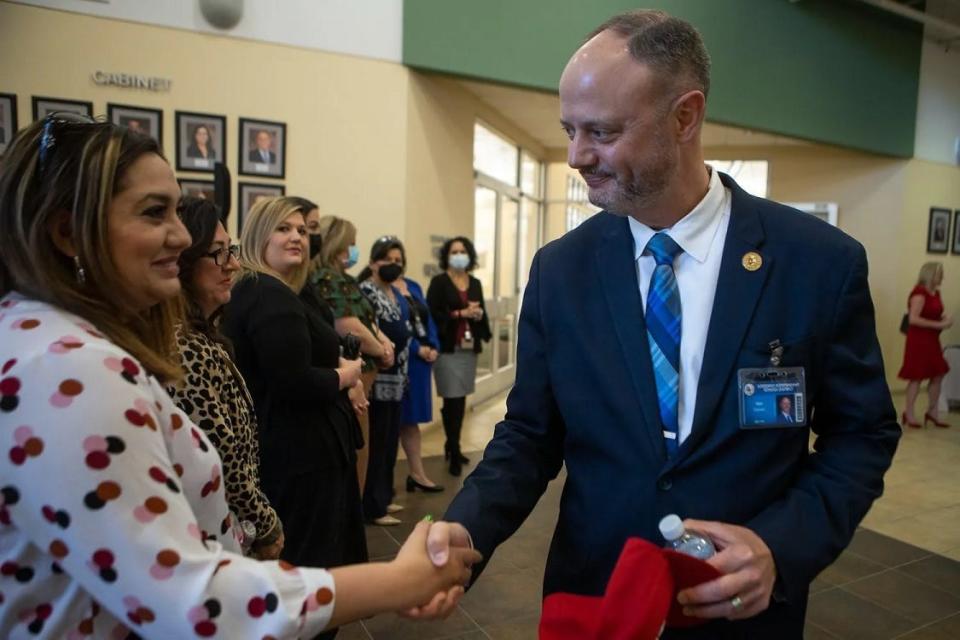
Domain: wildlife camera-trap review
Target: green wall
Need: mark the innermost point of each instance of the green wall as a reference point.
(834, 71)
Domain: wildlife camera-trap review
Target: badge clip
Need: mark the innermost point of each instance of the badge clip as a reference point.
(776, 353)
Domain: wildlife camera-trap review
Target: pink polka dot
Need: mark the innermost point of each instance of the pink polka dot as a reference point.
(130, 602)
(197, 614)
(161, 573)
(94, 443)
(142, 515)
(60, 401)
(114, 364)
(142, 405)
(22, 434)
(194, 531)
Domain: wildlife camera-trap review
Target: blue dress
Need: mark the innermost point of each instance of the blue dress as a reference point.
(418, 400)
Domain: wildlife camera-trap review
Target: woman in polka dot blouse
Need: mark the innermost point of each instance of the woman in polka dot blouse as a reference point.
(113, 520)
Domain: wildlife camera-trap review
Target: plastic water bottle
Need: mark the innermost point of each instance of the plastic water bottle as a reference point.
(688, 542)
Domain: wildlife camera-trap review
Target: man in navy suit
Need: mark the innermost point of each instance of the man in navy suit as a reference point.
(785, 410)
(261, 153)
(647, 427)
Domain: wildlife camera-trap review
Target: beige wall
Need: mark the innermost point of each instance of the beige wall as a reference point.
(346, 117)
(883, 203)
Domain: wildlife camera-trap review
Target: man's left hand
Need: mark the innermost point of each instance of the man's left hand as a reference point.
(748, 574)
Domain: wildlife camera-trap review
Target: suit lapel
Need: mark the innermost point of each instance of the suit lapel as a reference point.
(738, 291)
(618, 277)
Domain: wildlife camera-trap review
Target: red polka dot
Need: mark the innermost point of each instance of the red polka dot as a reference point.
(256, 607)
(157, 474)
(71, 387)
(9, 386)
(205, 629)
(30, 323)
(103, 558)
(324, 596)
(33, 447)
(98, 460)
(8, 365)
(175, 422)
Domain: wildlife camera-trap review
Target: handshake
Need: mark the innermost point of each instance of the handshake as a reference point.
(432, 568)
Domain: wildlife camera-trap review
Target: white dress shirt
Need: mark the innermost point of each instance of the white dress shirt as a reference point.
(701, 234)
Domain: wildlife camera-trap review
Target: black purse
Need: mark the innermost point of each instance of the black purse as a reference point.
(905, 323)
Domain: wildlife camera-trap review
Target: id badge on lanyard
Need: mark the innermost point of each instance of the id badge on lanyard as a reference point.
(773, 397)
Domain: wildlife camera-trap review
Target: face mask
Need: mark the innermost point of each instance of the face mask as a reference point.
(316, 243)
(459, 261)
(353, 256)
(390, 272)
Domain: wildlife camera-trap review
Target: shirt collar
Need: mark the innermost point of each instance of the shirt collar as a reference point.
(694, 232)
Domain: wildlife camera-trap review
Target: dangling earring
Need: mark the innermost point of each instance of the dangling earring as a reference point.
(81, 275)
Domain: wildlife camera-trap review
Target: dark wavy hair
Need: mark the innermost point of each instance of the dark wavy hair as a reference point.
(445, 253)
(379, 251)
(200, 217)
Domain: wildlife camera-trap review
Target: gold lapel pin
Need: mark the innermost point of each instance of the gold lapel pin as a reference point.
(751, 261)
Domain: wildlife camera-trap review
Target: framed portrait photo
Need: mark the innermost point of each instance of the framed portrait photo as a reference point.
(140, 119)
(263, 148)
(250, 193)
(201, 140)
(42, 107)
(198, 189)
(938, 235)
(8, 119)
(955, 246)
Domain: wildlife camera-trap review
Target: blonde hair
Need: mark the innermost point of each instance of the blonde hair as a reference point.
(929, 273)
(83, 169)
(262, 220)
(335, 236)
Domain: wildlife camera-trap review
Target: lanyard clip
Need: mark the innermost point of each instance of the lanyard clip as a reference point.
(776, 353)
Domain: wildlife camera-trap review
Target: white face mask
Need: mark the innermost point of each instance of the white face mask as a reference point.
(459, 261)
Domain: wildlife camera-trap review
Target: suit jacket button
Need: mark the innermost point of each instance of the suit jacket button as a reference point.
(664, 484)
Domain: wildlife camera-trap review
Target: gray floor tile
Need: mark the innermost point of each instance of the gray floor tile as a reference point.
(353, 631)
(502, 598)
(941, 572)
(850, 617)
(819, 585)
(380, 544)
(813, 632)
(907, 597)
(884, 549)
(392, 627)
(519, 629)
(849, 567)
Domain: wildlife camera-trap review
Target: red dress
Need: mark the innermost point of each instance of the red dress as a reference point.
(923, 356)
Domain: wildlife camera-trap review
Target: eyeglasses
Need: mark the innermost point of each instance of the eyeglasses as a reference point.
(222, 255)
(48, 137)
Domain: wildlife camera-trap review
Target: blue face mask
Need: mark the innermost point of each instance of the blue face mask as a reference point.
(353, 256)
(459, 261)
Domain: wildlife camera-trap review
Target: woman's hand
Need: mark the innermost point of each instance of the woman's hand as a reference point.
(358, 399)
(349, 372)
(946, 321)
(270, 551)
(387, 360)
(433, 356)
(424, 353)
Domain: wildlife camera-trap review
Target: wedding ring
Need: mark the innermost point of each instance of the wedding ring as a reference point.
(736, 603)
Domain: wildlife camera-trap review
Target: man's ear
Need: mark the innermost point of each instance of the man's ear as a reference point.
(61, 232)
(689, 112)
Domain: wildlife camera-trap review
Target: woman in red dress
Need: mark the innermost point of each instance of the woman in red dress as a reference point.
(923, 356)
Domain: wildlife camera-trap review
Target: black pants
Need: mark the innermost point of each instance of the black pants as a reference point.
(452, 414)
(384, 439)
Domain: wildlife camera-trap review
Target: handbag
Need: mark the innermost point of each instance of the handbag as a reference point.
(905, 323)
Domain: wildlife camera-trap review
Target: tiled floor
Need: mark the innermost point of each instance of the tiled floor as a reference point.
(896, 580)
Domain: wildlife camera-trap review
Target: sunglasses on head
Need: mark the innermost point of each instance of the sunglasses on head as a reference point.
(51, 124)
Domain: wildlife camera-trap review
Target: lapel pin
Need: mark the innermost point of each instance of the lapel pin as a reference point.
(751, 261)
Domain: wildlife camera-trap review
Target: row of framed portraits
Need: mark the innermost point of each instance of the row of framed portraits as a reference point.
(939, 236)
(248, 194)
(201, 138)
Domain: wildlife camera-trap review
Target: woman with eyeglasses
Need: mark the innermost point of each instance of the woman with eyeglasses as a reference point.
(212, 392)
(352, 311)
(113, 517)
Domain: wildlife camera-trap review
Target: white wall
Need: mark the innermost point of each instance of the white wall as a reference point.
(938, 100)
(366, 28)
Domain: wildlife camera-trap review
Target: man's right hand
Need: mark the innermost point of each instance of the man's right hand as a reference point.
(442, 537)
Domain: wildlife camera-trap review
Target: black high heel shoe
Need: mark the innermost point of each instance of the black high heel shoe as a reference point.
(462, 459)
(413, 485)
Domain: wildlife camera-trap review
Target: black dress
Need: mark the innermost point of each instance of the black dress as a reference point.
(288, 353)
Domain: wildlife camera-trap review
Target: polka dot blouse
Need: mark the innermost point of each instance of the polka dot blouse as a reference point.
(113, 521)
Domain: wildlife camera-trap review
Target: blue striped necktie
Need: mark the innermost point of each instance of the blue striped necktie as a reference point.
(663, 333)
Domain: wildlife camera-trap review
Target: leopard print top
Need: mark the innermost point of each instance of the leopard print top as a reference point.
(215, 396)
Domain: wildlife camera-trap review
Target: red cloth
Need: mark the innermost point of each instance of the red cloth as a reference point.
(640, 598)
(923, 355)
(462, 325)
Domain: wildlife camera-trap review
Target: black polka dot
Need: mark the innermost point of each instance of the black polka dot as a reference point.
(10, 495)
(9, 403)
(93, 501)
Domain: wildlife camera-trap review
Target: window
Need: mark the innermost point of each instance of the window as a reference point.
(751, 175)
(494, 155)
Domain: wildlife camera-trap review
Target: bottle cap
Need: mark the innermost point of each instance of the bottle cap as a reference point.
(671, 527)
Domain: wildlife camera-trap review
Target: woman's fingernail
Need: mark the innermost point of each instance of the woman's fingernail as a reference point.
(428, 518)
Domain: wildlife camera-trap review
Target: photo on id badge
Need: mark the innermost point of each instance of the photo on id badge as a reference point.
(772, 398)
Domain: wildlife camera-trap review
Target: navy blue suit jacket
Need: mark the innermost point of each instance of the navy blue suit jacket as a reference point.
(585, 397)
